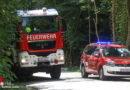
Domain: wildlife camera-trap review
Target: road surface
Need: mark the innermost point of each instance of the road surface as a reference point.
(73, 81)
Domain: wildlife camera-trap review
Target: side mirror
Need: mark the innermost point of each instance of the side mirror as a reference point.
(85, 52)
(96, 55)
(63, 25)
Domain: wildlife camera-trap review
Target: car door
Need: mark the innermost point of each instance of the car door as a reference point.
(94, 60)
(88, 52)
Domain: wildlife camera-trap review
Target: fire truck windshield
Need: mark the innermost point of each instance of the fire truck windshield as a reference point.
(115, 52)
(41, 24)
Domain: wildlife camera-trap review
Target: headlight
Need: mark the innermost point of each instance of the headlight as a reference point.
(23, 60)
(61, 57)
(110, 64)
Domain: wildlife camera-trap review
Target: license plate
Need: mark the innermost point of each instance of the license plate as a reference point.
(124, 70)
(42, 59)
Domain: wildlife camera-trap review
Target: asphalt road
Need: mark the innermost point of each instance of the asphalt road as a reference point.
(73, 81)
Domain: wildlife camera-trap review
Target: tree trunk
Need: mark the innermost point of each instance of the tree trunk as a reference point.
(89, 22)
(96, 21)
(113, 21)
(70, 54)
(128, 36)
(55, 2)
(89, 30)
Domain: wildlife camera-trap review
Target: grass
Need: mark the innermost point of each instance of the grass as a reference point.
(72, 69)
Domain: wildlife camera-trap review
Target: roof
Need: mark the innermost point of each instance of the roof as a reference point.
(40, 12)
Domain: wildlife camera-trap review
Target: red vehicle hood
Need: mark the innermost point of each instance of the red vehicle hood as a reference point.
(118, 60)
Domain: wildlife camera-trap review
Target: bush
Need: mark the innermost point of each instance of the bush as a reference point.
(5, 67)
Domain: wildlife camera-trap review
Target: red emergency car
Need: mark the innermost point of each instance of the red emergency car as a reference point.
(105, 59)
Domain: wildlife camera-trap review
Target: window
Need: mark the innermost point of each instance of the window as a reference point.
(41, 24)
(90, 49)
(115, 52)
(96, 52)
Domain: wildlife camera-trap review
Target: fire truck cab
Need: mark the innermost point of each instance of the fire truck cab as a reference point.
(40, 47)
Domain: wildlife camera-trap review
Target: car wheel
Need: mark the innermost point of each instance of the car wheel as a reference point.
(55, 72)
(101, 74)
(83, 73)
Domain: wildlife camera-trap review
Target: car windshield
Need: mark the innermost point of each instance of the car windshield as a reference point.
(43, 24)
(115, 52)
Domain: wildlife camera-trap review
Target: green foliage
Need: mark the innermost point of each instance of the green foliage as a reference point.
(5, 66)
(73, 69)
(121, 23)
(8, 25)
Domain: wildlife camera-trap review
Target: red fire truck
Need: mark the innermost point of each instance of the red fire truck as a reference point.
(40, 48)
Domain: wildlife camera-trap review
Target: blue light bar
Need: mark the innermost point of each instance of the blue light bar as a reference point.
(103, 43)
(20, 12)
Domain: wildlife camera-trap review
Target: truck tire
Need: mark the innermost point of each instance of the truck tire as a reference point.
(24, 75)
(21, 74)
(101, 74)
(55, 72)
(83, 73)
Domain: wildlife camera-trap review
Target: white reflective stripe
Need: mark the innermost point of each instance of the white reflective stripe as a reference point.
(37, 12)
(90, 70)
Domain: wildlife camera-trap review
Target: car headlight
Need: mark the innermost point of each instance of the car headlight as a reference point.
(23, 60)
(110, 64)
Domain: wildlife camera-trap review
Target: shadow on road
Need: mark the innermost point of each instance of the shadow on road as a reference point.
(38, 80)
(35, 79)
(114, 79)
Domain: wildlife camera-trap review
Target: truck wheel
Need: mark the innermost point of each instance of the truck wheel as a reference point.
(55, 72)
(22, 74)
(83, 73)
(101, 74)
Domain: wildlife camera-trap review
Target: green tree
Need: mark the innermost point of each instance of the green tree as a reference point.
(113, 21)
(121, 21)
(8, 25)
(128, 14)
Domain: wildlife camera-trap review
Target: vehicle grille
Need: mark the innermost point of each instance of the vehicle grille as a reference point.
(123, 65)
(41, 53)
(42, 45)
